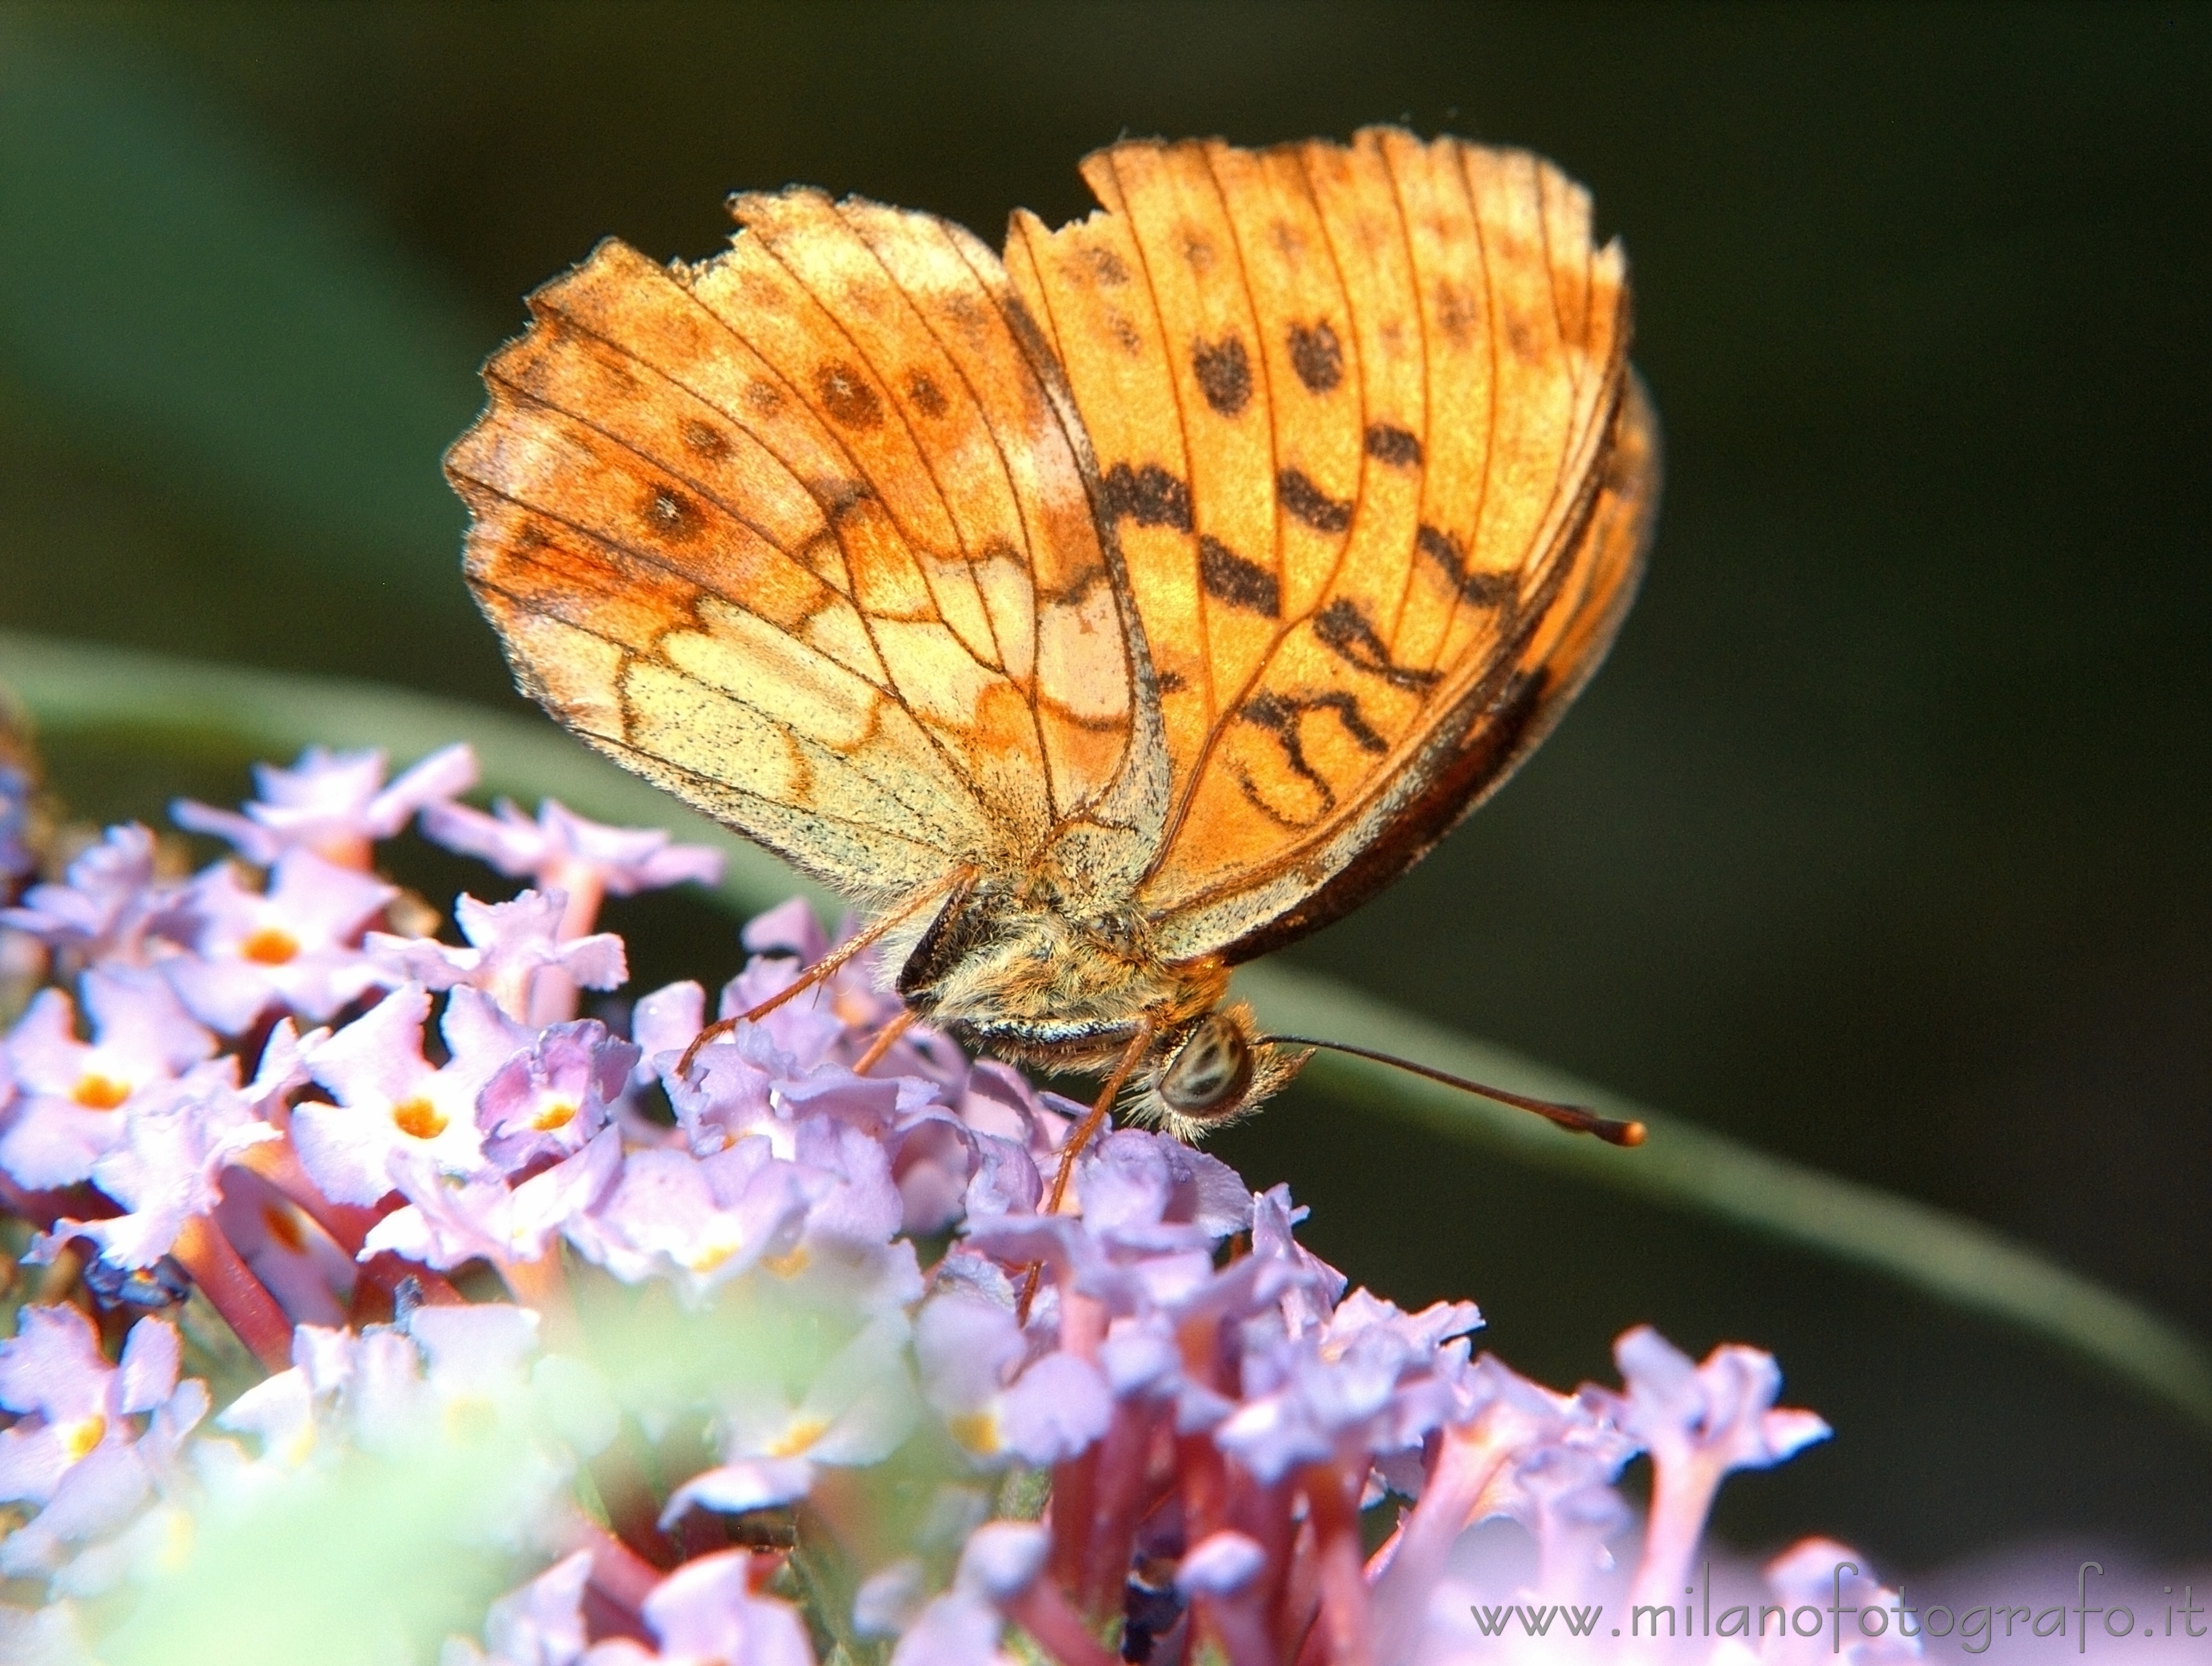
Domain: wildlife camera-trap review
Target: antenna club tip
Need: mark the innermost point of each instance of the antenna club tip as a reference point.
(1632, 1134)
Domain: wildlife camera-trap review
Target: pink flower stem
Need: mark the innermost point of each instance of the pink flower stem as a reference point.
(1240, 1624)
(1074, 1485)
(351, 850)
(1682, 1493)
(242, 1299)
(586, 889)
(387, 1272)
(1467, 1460)
(42, 1209)
(552, 996)
(619, 1582)
(1297, 1599)
(277, 1162)
(1117, 1501)
(1203, 1478)
(1345, 1636)
(1046, 1615)
(1263, 1513)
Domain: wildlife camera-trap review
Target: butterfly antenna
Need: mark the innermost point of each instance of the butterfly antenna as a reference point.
(1578, 1119)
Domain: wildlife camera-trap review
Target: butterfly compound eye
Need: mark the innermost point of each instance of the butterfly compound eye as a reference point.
(1211, 1071)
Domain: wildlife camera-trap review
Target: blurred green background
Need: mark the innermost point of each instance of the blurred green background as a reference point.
(1882, 843)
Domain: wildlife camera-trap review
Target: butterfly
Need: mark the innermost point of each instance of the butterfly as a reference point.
(1099, 614)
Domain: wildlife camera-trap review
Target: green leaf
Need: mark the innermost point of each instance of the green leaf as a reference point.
(82, 694)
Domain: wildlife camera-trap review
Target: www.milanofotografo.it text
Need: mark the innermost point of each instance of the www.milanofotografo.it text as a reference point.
(1977, 1627)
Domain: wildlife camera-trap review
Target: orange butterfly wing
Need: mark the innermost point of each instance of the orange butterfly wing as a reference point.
(805, 534)
(1382, 478)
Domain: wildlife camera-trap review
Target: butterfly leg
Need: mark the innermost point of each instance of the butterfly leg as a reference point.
(1132, 1056)
(1072, 1148)
(825, 967)
(882, 1044)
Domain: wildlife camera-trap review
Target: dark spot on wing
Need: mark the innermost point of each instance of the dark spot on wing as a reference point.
(763, 396)
(1344, 631)
(1317, 356)
(1197, 249)
(1125, 333)
(672, 516)
(965, 310)
(1230, 578)
(926, 397)
(849, 400)
(1347, 708)
(1149, 495)
(1388, 443)
(703, 438)
(1308, 503)
(839, 498)
(1170, 681)
(1225, 374)
(1456, 313)
(1106, 265)
(1485, 589)
(1075, 587)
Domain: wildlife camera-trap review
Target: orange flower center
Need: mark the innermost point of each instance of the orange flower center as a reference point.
(557, 1115)
(284, 1228)
(418, 1118)
(97, 1092)
(802, 1434)
(788, 1265)
(269, 946)
(977, 1430)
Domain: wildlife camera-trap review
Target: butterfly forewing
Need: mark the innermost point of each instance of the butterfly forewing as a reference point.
(1425, 356)
(804, 534)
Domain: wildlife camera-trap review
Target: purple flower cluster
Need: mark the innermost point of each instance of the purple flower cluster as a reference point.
(248, 1086)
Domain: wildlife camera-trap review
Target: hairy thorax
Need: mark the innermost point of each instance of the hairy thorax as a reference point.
(1030, 972)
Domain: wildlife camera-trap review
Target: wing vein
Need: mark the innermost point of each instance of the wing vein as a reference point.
(914, 545)
(1264, 376)
(867, 624)
(1421, 323)
(891, 783)
(1013, 494)
(1183, 436)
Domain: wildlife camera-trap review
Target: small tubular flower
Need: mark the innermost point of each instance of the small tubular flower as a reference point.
(71, 1098)
(334, 803)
